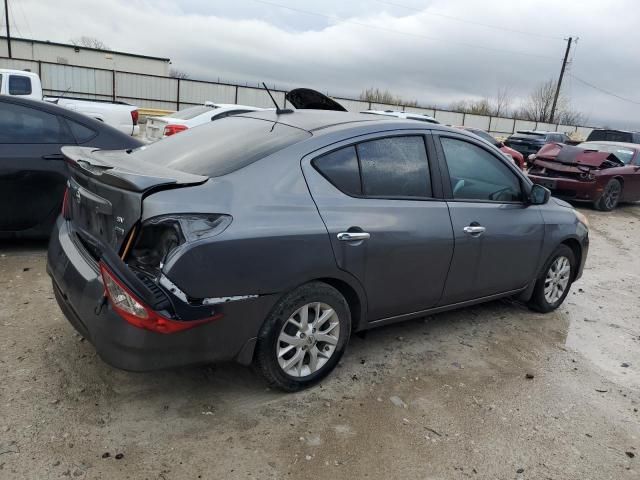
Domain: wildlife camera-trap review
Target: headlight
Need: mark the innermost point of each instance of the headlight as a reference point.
(582, 218)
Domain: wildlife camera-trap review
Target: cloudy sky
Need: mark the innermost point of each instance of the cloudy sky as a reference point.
(435, 51)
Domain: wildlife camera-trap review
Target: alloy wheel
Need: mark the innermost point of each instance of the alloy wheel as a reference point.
(308, 339)
(557, 279)
(611, 195)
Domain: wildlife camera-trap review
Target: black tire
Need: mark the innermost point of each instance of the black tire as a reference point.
(610, 197)
(266, 357)
(539, 301)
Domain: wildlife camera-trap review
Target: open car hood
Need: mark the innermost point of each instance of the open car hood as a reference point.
(307, 99)
(577, 156)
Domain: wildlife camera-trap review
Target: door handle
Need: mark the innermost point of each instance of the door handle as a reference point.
(53, 156)
(474, 230)
(353, 236)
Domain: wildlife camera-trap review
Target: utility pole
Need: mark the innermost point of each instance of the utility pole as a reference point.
(564, 64)
(6, 18)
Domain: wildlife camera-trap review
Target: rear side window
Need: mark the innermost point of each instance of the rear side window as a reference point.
(81, 132)
(341, 169)
(395, 167)
(19, 85)
(19, 124)
(221, 147)
(388, 167)
(476, 174)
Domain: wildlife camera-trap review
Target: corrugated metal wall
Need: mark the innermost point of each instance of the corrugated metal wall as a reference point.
(152, 91)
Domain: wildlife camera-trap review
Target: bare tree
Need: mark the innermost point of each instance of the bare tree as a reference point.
(538, 106)
(500, 105)
(175, 73)
(375, 95)
(89, 42)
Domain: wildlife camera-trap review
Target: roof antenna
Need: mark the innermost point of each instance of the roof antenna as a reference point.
(278, 109)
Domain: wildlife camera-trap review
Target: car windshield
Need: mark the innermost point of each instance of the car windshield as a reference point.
(624, 154)
(192, 112)
(221, 147)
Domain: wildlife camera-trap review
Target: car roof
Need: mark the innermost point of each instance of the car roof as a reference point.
(229, 105)
(614, 130)
(45, 106)
(314, 120)
(633, 146)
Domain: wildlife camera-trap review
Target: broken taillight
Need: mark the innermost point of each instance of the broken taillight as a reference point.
(134, 311)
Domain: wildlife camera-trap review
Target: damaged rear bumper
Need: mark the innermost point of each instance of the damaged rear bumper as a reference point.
(78, 289)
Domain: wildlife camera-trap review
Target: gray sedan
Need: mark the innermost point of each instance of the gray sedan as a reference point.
(271, 237)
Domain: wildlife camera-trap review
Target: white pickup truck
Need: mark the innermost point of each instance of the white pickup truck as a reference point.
(120, 115)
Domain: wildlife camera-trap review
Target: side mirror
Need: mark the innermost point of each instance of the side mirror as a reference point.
(539, 195)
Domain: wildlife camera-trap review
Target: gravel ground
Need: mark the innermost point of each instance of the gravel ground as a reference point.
(436, 398)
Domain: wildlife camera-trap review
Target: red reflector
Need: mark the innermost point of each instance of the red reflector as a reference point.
(66, 209)
(134, 311)
(134, 116)
(173, 129)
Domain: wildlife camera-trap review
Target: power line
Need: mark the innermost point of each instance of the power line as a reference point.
(398, 32)
(607, 92)
(473, 22)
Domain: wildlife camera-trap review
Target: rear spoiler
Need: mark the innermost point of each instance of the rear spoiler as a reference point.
(121, 169)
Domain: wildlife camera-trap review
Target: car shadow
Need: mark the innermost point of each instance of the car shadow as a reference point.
(445, 338)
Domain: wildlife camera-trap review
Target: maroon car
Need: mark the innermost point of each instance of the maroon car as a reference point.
(604, 173)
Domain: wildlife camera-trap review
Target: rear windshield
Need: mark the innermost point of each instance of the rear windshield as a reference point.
(610, 136)
(624, 154)
(529, 135)
(221, 147)
(192, 112)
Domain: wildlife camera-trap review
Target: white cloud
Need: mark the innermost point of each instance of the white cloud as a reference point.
(247, 40)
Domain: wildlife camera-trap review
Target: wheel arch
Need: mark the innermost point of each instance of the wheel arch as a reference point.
(575, 247)
(354, 298)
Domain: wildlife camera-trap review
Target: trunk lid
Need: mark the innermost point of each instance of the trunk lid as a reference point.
(154, 128)
(106, 190)
(306, 98)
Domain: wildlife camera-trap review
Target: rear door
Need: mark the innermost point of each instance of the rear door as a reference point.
(32, 169)
(498, 237)
(385, 223)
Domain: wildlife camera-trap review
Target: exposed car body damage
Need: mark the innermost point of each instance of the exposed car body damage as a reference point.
(589, 171)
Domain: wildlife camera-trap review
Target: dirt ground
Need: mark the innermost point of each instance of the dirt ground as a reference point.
(439, 398)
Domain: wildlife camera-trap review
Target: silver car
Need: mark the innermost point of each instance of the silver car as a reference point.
(270, 237)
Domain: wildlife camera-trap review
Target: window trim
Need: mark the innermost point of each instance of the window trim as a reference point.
(525, 183)
(368, 137)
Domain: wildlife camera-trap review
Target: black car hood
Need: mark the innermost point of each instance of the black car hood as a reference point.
(307, 99)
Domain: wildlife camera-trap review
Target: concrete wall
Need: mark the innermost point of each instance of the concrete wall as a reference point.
(84, 57)
(152, 91)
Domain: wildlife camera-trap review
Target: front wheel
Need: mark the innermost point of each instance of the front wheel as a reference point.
(304, 337)
(610, 196)
(552, 287)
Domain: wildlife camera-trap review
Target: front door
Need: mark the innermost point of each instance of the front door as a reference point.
(32, 169)
(498, 236)
(386, 228)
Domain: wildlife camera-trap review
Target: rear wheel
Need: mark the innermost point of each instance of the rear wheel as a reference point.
(304, 337)
(552, 287)
(610, 196)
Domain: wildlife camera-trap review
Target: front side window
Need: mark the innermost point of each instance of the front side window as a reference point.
(19, 124)
(477, 175)
(19, 85)
(395, 167)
